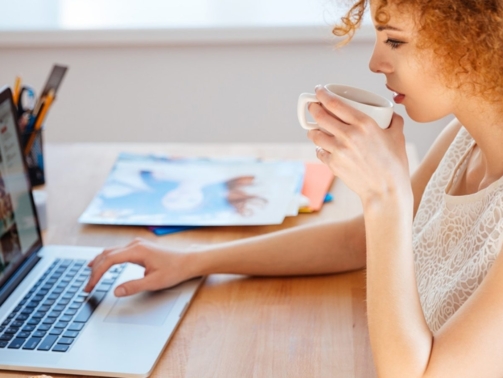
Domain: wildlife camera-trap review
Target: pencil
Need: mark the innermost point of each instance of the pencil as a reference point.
(16, 90)
(39, 120)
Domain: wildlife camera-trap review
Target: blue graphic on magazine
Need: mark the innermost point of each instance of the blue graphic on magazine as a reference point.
(162, 191)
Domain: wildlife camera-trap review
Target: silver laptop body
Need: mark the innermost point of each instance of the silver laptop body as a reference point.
(47, 324)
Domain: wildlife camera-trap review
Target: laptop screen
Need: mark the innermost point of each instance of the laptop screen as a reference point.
(18, 226)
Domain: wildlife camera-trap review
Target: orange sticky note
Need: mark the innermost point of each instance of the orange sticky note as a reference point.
(318, 179)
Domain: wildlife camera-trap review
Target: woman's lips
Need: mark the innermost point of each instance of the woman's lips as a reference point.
(397, 97)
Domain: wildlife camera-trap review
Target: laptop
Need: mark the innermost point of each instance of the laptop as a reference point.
(47, 323)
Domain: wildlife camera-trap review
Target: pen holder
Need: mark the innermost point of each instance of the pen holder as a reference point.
(34, 157)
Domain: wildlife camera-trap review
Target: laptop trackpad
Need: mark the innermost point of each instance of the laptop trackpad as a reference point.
(148, 308)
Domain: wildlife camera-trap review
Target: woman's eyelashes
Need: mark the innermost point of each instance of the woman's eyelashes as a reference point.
(393, 43)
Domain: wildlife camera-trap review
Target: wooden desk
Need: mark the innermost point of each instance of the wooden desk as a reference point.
(236, 326)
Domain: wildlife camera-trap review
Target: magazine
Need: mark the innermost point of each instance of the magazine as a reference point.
(152, 190)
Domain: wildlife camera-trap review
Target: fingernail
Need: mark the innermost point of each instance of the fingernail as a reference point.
(317, 87)
(120, 292)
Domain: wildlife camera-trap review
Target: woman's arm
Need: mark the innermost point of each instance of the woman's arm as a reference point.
(311, 249)
(392, 297)
(373, 163)
(400, 338)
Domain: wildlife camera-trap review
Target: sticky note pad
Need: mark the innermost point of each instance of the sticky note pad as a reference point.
(318, 179)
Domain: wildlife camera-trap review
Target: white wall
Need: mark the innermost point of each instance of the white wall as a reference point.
(195, 93)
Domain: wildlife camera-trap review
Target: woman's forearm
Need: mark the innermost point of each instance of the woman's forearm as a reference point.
(400, 338)
(311, 249)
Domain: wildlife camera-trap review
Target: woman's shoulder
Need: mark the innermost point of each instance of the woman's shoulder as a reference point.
(452, 133)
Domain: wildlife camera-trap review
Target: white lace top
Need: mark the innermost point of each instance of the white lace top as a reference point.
(455, 239)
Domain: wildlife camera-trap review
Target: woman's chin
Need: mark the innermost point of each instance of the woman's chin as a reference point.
(422, 115)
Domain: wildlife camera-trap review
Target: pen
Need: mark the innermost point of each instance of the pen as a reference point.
(40, 119)
(46, 105)
(16, 90)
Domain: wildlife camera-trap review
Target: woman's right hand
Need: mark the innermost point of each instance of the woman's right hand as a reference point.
(163, 268)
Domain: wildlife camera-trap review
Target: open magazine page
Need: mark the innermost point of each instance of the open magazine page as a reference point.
(160, 191)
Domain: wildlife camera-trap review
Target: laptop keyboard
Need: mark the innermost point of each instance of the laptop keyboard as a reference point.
(55, 310)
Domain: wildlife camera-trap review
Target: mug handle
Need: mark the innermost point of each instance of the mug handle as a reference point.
(304, 100)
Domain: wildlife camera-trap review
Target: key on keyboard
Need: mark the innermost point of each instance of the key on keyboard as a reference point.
(54, 311)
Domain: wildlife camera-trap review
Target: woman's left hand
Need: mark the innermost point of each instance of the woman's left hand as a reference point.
(371, 161)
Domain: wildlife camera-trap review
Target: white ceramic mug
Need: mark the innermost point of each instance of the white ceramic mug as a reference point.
(380, 109)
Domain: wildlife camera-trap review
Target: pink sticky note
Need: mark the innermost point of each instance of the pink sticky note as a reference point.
(318, 179)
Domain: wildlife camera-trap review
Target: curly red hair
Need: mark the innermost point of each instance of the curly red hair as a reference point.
(466, 37)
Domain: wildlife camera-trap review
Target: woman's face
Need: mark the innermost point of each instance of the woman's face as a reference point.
(411, 73)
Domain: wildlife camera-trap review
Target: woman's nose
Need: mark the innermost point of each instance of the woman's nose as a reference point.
(378, 63)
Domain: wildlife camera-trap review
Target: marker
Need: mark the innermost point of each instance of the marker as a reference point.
(40, 119)
(16, 90)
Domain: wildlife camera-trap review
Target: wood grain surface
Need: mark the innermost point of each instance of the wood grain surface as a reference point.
(236, 326)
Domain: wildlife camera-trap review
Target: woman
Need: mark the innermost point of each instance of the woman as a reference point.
(430, 243)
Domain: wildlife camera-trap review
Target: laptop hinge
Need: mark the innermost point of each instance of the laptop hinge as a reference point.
(10, 285)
